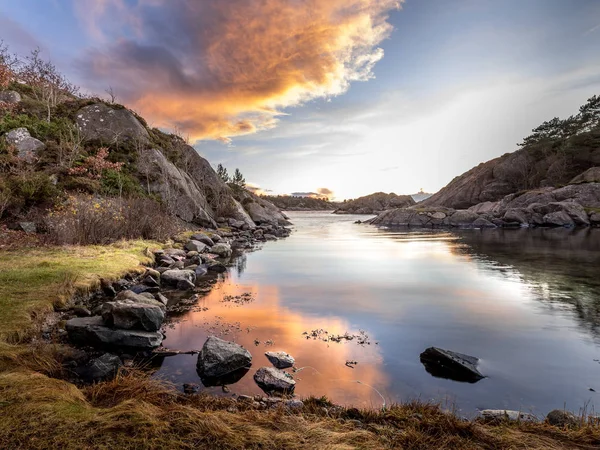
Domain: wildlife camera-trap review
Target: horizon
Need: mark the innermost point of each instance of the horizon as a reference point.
(403, 94)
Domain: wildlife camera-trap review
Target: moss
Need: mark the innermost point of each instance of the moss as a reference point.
(32, 281)
(120, 183)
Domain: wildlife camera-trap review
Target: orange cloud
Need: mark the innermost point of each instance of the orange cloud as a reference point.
(219, 69)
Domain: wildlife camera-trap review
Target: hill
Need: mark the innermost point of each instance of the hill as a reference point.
(293, 203)
(374, 203)
(86, 170)
(556, 152)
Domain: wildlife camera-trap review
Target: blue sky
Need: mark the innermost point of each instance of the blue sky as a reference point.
(460, 82)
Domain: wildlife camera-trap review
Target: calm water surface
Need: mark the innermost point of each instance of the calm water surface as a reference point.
(526, 302)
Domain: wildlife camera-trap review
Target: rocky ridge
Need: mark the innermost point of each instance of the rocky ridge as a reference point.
(375, 203)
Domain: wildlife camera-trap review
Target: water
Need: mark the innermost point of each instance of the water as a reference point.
(526, 302)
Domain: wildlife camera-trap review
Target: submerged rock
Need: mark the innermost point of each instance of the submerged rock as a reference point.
(270, 379)
(281, 360)
(101, 369)
(448, 364)
(92, 331)
(219, 358)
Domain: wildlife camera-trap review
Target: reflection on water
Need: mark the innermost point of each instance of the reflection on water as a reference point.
(525, 302)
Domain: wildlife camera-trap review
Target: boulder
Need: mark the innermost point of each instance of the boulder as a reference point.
(28, 227)
(204, 239)
(270, 379)
(110, 125)
(195, 246)
(27, 147)
(505, 414)
(148, 299)
(172, 277)
(10, 97)
(92, 331)
(591, 175)
(127, 315)
(559, 219)
(462, 219)
(219, 358)
(185, 285)
(483, 223)
(103, 368)
(448, 364)
(280, 360)
(561, 418)
(240, 217)
(223, 250)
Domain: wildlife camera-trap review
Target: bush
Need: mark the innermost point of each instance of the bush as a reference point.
(31, 189)
(85, 219)
(38, 128)
(120, 183)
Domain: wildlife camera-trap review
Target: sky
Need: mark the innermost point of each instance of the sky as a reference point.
(346, 96)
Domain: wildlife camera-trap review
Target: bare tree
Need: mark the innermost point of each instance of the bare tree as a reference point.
(111, 94)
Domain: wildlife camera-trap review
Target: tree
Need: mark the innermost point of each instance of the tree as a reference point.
(589, 114)
(222, 172)
(238, 179)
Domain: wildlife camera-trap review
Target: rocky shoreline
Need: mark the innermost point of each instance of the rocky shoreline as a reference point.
(574, 205)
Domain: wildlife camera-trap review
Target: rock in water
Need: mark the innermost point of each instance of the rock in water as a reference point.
(272, 380)
(281, 360)
(92, 331)
(128, 315)
(219, 358)
(454, 366)
(221, 249)
(173, 277)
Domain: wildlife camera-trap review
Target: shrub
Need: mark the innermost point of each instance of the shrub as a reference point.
(84, 219)
(31, 188)
(119, 183)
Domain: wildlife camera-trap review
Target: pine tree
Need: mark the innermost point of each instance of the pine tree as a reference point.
(238, 179)
(222, 173)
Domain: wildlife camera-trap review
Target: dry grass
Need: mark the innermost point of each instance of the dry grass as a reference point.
(34, 280)
(134, 411)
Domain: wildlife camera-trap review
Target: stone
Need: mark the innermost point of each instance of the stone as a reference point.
(153, 273)
(223, 250)
(172, 277)
(216, 238)
(27, 147)
(219, 358)
(128, 315)
(270, 379)
(103, 368)
(10, 97)
(200, 271)
(505, 414)
(217, 267)
(190, 388)
(151, 281)
(270, 237)
(143, 298)
(109, 125)
(438, 215)
(92, 331)
(185, 285)
(161, 298)
(561, 418)
(204, 239)
(196, 246)
(280, 360)
(462, 219)
(28, 227)
(559, 219)
(294, 404)
(80, 311)
(483, 223)
(591, 175)
(452, 365)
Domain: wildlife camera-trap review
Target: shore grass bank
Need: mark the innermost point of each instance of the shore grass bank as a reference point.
(39, 410)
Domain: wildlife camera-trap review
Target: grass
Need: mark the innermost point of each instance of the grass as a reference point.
(39, 410)
(34, 280)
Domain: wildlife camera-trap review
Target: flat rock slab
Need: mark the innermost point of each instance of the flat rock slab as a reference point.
(92, 331)
(280, 360)
(451, 365)
(270, 379)
(219, 358)
(128, 315)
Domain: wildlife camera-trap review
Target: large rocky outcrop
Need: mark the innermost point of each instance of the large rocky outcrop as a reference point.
(375, 203)
(521, 170)
(110, 125)
(178, 190)
(569, 206)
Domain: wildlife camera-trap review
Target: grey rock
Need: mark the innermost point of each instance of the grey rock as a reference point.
(161, 298)
(172, 277)
(127, 315)
(92, 331)
(204, 239)
(143, 299)
(294, 404)
(559, 219)
(592, 175)
(217, 267)
(185, 285)
(28, 227)
(483, 223)
(200, 271)
(109, 125)
(270, 379)
(10, 97)
(280, 360)
(560, 418)
(463, 219)
(223, 250)
(270, 237)
(194, 245)
(103, 368)
(80, 311)
(27, 147)
(219, 358)
(452, 365)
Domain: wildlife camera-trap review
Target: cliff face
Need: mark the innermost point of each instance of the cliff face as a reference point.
(375, 203)
(522, 170)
